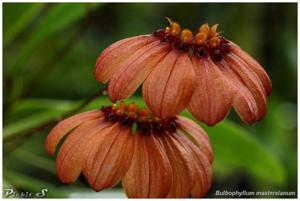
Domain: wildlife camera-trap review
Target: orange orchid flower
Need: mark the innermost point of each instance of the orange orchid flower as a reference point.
(205, 73)
(162, 158)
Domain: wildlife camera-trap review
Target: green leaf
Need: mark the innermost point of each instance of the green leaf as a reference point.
(34, 160)
(41, 104)
(14, 25)
(28, 123)
(39, 112)
(58, 18)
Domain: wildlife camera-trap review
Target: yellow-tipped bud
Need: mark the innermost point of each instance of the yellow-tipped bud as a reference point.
(204, 29)
(114, 106)
(132, 107)
(174, 27)
(186, 36)
(168, 30)
(122, 107)
(215, 41)
(200, 38)
(143, 114)
(132, 110)
(213, 31)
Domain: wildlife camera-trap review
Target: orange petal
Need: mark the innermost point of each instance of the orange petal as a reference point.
(149, 175)
(111, 58)
(169, 87)
(202, 167)
(136, 180)
(65, 126)
(89, 161)
(182, 166)
(203, 178)
(254, 65)
(73, 150)
(243, 101)
(160, 168)
(109, 161)
(199, 135)
(251, 81)
(211, 100)
(133, 72)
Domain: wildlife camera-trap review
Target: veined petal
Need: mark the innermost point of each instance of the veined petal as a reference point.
(182, 166)
(168, 89)
(160, 168)
(251, 81)
(128, 77)
(211, 100)
(254, 65)
(203, 169)
(149, 175)
(65, 126)
(136, 180)
(243, 101)
(89, 161)
(113, 56)
(108, 163)
(193, 130)
(73, 150)
(204, 174)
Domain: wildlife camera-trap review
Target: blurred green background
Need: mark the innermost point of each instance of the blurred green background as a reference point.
(49, 51)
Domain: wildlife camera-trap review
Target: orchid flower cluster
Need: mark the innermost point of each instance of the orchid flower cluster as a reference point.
(153, 151)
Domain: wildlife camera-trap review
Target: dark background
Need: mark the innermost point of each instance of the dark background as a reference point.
(49, 51)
